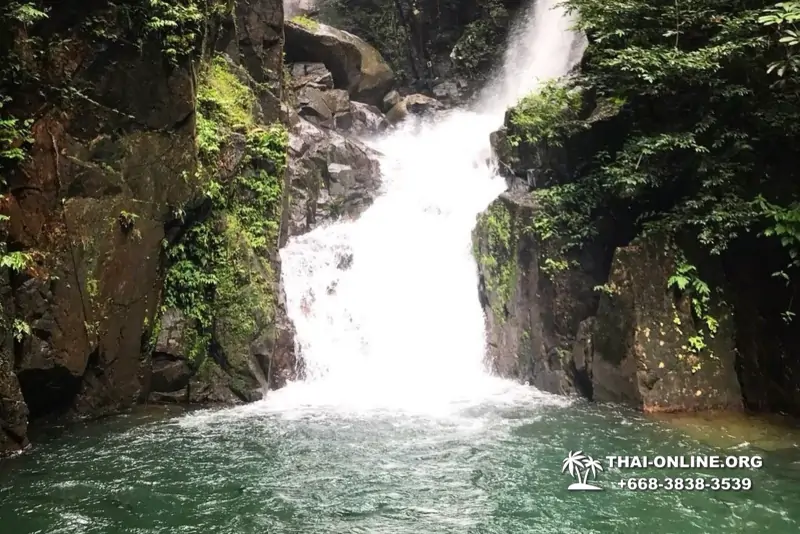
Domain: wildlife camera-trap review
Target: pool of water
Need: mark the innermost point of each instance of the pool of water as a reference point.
(488, 467)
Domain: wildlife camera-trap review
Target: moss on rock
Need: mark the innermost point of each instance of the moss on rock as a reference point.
(221, 273)
(497, 253)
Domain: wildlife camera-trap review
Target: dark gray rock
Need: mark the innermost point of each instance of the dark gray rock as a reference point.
(331, 176)
(532, 314)
(311, 74)
(169, 374)
(355, 65)
(367, 119)
(313, 105)
(338, 101)
(452, 92)
(172, 336)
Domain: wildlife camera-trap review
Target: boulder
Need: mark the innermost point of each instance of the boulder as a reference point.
(390, 100)
(331, 176)
(313, 106)
(364, 120)
(338, 101)
(355, 65)
(313, 74)
(416, 104)
(640, 350)
(171, 369)
(169, 374)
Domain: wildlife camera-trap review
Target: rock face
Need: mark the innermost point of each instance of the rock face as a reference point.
(355, 65)
(631, 345)
(640, 352)
(331, 176)
(768, 346)
(542, 165)
(92, 202)
(429, 42)
(95, 202)
(532, 314)
(13, 410)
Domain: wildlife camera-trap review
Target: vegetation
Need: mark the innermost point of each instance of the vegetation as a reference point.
(686, 281)
(306, 22)
(705, 96)
(224, 104)
(220, 275)
(415, 37)
(547, 116)
(480, 45)
(499, 258)
(14, 134)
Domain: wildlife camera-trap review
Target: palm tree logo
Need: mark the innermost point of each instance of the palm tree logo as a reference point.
(580, 465)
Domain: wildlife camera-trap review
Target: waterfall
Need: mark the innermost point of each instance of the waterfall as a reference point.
(401, 326)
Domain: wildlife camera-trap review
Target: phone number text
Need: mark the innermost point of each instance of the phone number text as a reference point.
(686, 484)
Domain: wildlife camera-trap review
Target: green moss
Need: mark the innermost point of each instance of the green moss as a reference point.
(224, 103)
(244, 297)
(305, 22)
(220, 275)
(500, 257)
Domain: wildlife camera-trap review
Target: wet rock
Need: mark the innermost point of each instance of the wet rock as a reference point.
(452, 92)
(171, 369)
(367, 119)
(640, 351)
(416, 104)
(106, 174)
(532, 314)
(289, 116)
(311, 74)
(345, 261)
(355, 65)
(343, 122)
(390, 100)
(172, 336)
(338, 101)
(313, 105)
(169, 373)
(342, 177)
(273, 351)
(539, 165)
(332, 176)
(324, 106)
(13, 410)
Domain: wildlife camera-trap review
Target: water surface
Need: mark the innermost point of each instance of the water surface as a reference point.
(492, 467)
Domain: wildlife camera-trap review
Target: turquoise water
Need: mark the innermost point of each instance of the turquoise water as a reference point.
(486, 468)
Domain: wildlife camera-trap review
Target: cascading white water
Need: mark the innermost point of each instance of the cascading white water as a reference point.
(402, 327)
